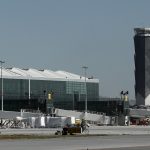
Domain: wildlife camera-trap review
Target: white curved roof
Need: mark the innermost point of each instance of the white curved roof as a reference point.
(8, 72)
(68, 75)
(42, 74)
(52, 74)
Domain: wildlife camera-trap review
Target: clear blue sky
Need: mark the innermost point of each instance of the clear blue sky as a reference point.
(67, 34)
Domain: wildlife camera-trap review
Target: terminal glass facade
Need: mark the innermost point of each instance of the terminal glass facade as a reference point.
(64, 94)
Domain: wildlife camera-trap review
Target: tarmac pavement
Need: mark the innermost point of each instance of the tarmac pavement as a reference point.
(113, 142)
(93, 130)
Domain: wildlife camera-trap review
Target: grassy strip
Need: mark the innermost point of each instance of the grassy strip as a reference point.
(38, 136)
(25, 136)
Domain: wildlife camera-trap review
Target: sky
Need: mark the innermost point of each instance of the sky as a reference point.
(68, 34)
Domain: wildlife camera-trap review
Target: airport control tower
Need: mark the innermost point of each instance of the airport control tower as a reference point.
(142, 65)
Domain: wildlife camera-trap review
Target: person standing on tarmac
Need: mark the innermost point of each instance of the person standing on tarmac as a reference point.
(83, 125)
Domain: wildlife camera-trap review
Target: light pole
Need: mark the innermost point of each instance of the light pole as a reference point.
(29, 96)
(85, 69)
(2, 62)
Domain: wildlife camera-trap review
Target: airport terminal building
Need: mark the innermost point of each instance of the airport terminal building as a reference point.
(42, 89)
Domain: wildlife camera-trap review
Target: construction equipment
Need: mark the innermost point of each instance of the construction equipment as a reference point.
(71, 130)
